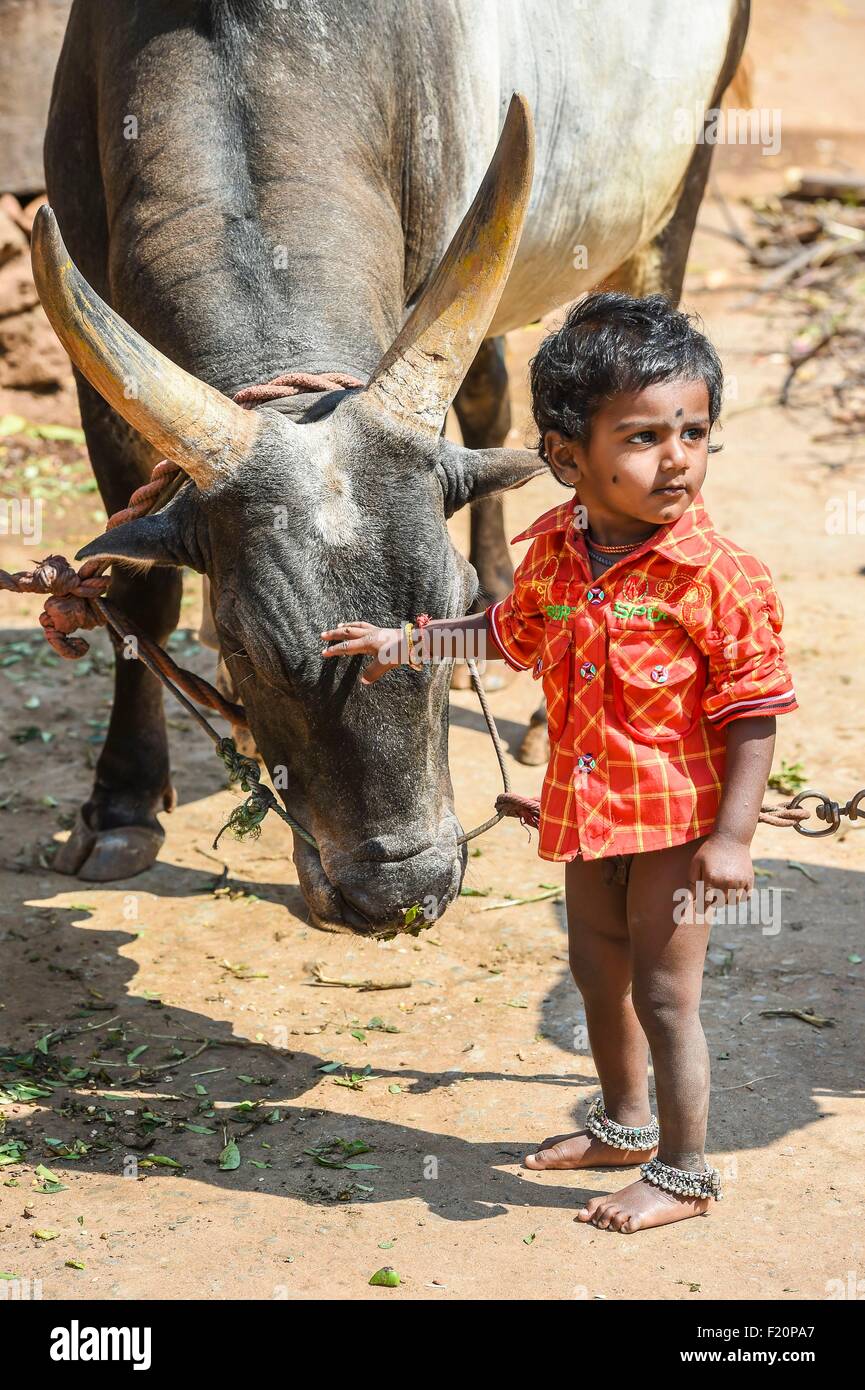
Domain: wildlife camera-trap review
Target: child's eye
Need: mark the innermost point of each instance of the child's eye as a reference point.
(696, 432)
(644, 437)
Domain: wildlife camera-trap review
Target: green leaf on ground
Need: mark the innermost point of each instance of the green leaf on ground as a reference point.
(794, 864)
(229, 1159)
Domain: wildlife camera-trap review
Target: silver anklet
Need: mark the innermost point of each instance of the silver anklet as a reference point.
(682, 1181)
(636, 1137)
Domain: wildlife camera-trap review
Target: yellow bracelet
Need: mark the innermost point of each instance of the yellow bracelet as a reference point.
(408, 629)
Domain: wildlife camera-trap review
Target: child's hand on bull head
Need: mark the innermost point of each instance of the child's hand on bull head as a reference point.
(386, 645)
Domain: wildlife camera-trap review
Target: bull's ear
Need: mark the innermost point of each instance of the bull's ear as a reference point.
(467, 474)
(160, 539)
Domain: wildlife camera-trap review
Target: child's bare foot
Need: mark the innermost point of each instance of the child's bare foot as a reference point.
(583, 1151)
(640, 1206)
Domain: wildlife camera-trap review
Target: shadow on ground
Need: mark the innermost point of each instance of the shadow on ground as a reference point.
(82, 980)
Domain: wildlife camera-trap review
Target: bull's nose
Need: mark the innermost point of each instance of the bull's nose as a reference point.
(384, 891)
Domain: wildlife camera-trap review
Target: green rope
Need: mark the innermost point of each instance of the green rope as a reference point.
(245, 820)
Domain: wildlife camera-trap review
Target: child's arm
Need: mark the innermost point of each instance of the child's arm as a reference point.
(723, 861)
(388, 648)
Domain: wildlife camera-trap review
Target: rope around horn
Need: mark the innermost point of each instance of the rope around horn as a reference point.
(77, 602)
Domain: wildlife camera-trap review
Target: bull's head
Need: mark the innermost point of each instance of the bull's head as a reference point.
(299, 525)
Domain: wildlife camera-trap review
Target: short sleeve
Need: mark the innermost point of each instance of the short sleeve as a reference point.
(516, 623)
(748, 674)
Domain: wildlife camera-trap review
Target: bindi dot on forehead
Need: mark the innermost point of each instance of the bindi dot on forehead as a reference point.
(679, 413)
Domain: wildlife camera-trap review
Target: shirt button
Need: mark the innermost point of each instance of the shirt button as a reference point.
(586, 763)
(588, 670)
(660, 674)
(595, 594)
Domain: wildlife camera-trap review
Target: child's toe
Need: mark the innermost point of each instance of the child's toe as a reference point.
(590, 1210)
(622, 1222)
(603, 1217)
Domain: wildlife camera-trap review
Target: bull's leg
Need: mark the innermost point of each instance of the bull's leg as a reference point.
(117, 833)
(483, 408)
(534, 751)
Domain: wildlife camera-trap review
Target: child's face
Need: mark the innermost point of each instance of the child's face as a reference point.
(646, 457)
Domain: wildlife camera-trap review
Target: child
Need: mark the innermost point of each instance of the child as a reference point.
(658, 645)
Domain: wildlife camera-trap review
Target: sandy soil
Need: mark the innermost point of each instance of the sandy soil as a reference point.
(478, 1055)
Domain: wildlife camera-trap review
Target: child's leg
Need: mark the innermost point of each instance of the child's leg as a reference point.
(600, 959)
(667, 960)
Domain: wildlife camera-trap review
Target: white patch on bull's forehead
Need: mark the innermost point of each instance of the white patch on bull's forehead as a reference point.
(335, 514)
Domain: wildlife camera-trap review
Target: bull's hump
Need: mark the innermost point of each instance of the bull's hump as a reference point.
(614, 87)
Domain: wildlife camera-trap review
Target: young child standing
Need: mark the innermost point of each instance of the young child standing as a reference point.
(658, 644)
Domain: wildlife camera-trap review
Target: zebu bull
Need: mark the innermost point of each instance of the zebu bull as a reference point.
(254, 188)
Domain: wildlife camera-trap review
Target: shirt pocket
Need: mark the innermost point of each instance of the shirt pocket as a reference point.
(658, 675)
(553, 667)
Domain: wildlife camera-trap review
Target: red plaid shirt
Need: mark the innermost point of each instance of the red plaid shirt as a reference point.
(642, 670)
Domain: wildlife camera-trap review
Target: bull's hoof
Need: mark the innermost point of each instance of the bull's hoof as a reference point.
(101, 856)
(535, 747)
(461, 680)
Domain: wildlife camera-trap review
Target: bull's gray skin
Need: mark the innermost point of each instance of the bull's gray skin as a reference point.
(258, 188)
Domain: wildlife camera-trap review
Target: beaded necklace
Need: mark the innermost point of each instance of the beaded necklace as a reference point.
(608, 554)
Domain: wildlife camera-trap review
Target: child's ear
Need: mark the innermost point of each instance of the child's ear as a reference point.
(565, 457)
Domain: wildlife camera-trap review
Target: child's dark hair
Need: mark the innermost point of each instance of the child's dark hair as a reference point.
(610, 343)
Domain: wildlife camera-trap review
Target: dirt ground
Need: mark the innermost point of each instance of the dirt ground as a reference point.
(440, 1085)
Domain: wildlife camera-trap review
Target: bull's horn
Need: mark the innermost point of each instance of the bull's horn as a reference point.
(422, 370)
(185, 419)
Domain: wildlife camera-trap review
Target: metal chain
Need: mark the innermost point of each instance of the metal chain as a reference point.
(830, 811)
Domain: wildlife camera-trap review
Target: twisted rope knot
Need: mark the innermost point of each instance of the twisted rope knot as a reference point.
(245, 820)
(69, 606)
(241, 769)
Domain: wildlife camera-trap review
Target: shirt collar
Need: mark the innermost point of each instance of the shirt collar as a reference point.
(686, 541)
(556, 519)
